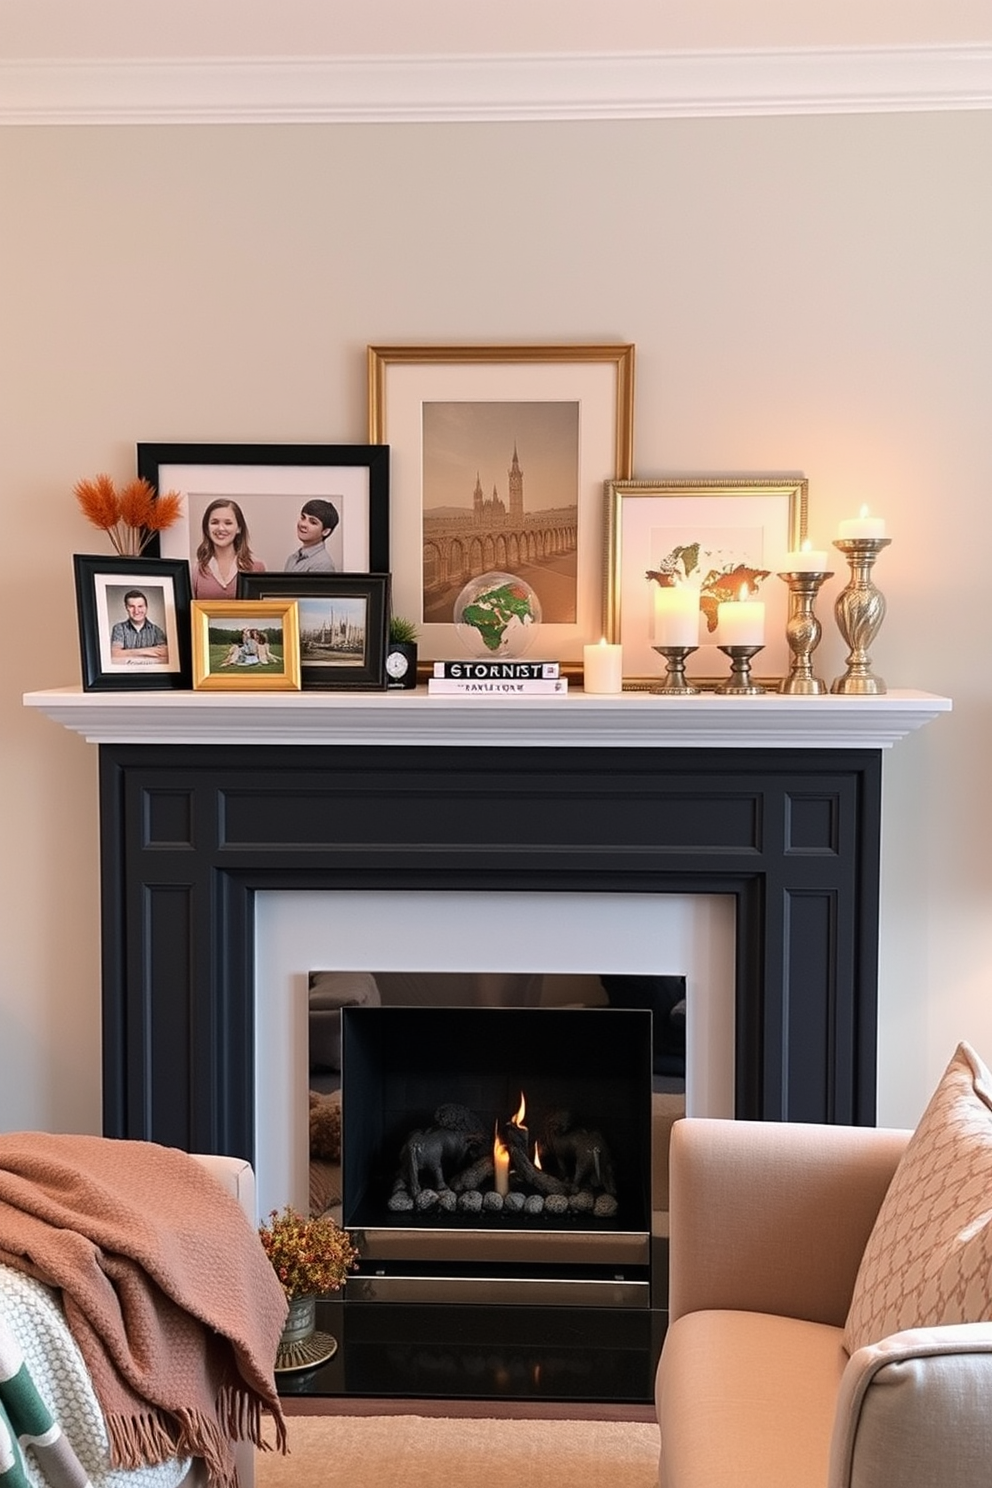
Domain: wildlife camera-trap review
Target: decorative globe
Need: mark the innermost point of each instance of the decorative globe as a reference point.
(497, 615)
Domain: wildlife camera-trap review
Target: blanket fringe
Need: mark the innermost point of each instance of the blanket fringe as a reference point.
(139, 1439)
(154, 1436)
(241, 1414)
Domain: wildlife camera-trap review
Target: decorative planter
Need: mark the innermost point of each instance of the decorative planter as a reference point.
(301, 1345)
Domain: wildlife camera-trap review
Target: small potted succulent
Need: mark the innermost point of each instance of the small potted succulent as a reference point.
(311, 1258)
(401, 653)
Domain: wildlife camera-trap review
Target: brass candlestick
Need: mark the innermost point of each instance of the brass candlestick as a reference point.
(803, 632)
(860, 610)
(739, 683)
(674, 683)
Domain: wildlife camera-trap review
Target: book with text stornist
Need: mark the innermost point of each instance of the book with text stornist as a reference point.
(491, 669)
(498, 687)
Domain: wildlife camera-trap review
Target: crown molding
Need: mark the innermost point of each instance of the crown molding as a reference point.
(435, 89)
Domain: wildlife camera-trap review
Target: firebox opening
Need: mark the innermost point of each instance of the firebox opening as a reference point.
(430, 1098)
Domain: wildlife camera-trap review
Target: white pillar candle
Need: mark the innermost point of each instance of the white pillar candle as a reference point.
(741, 623)
(602, 668)
(501, 1165)
(863, 525)
(676, 616)
(805, 560)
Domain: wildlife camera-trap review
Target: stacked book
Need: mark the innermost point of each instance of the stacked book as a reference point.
(497, 679)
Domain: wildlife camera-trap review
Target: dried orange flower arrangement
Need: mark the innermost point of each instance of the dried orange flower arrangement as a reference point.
(131, 516)
(311, 1257)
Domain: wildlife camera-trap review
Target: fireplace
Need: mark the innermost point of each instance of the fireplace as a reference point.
(192, 833)
(498, 1154)
(207, 802)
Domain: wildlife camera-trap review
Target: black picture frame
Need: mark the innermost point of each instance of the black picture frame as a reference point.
(271, 482)
(366, 593)
(102, 582)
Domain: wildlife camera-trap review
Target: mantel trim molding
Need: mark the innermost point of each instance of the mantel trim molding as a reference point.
(390, 718)
(454, 89)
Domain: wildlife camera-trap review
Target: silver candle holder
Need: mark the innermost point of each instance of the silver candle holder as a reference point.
(674, 683)
(803, 631)
(859, 610)
(740, 683)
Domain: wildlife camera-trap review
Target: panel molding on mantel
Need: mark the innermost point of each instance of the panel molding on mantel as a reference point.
(452, 89)
(580, 719)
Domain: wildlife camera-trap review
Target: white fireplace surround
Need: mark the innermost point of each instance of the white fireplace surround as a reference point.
(299, 930)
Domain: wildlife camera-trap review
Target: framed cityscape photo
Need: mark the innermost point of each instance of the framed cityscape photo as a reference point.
(343, 622)
(243, 646)
(498, 459)
(133, 622)
(272, 508)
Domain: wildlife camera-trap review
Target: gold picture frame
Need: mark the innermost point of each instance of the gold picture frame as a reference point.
(458, 417)
(246, 645)
(751, 520)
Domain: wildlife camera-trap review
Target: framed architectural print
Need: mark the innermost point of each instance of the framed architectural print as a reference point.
(711, 537)
(344, 621)
(272, 508)
(243, 646)
(133, 622)
(498, 458)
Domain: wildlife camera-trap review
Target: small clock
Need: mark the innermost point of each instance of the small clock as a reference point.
(401, 664)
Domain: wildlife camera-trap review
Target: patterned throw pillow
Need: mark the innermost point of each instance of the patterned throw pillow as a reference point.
(929, 1257)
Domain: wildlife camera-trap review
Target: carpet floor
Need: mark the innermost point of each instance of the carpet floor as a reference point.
(442, 1452)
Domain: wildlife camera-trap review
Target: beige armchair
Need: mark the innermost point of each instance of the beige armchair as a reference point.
(755, 1389)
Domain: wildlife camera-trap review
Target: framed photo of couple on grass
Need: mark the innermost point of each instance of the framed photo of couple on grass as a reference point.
(244, 646)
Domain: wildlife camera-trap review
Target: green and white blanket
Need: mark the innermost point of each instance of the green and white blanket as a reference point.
(26, 1421)
(52, 1432)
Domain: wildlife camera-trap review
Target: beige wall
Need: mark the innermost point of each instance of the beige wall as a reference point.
(804, 294)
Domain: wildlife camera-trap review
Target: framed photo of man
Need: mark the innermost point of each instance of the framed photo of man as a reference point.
(133, 622)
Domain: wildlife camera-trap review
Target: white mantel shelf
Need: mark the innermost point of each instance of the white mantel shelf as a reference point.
(581, 719)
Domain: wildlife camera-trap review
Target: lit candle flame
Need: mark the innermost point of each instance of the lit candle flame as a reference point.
(744, 592)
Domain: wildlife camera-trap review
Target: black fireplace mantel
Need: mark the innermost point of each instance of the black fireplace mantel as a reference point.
(224, 803)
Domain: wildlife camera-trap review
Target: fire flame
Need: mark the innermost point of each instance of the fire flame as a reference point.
(537, 1155)
(518, 1119)
(500, 1149)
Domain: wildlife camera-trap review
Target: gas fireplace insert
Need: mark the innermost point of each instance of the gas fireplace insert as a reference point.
(498, 1153)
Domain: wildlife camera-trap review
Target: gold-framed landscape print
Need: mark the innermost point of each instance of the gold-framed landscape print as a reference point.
(244, 645)
(498, 455)
(707, 534)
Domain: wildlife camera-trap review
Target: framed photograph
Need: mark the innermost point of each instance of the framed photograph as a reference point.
(498, 459)
(712, 536)
(240, 645)
(133, 622)
(272, 508)
(344, 625)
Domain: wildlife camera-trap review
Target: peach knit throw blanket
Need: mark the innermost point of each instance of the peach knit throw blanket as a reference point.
(167, 1291)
